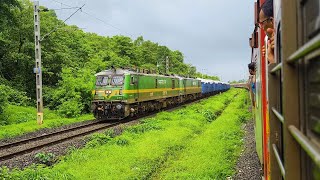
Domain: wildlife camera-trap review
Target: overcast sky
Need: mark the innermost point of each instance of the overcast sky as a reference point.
(212, 34)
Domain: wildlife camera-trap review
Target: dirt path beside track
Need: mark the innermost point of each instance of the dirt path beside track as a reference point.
(248, 166)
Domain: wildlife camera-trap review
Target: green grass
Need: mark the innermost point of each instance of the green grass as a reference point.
(159, 147)
(23, 120)
(21, 114)
(213, 154)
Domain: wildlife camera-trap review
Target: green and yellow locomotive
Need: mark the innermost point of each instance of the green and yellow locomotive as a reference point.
(120, 93)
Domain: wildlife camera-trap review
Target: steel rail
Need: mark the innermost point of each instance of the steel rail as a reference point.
(46, 135)
(9, 155)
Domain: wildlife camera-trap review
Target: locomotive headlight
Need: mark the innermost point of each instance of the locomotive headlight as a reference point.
(108, 91)
(119, 106)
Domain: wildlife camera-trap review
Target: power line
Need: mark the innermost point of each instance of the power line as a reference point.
(61, 25)
(65, 8)
(74, 13)
(99, 19)
(61, 3)
(107, 23)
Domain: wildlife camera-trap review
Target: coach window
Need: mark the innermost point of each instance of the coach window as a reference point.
(279, 50)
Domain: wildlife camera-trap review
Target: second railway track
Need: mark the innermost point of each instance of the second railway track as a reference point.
(24, 146)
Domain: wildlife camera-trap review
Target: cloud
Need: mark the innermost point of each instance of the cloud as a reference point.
(211, 34)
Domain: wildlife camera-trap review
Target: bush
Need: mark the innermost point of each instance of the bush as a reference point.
(142, 128)
(110, 132)
(122, 141)
(210, 116)
(13, 96)
(4, 95)
(74, 94)
(19, 98)
(8, 96)
(71, 108)
(3, 103)
(46, 158)
(98, 140)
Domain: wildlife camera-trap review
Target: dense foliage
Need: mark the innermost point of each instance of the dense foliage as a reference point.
(70, 58)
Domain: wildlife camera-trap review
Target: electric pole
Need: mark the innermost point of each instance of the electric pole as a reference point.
(37, 69)
(203, 71)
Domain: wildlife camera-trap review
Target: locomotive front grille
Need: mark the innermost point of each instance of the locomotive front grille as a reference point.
(108, 110)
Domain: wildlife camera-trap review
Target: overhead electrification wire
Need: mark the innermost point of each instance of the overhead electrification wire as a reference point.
(65, 8)
(99, 19)
(63, 22)
(107, 23)
(61, 3)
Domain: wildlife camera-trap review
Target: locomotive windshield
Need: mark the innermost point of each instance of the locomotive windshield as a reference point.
(102, 80)
(117, 80)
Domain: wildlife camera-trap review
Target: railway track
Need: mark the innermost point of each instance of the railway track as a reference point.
(25, 146)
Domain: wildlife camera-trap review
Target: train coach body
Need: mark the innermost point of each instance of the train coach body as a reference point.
(120, 93)
(287, 102)
(205, 86)
(210, 87)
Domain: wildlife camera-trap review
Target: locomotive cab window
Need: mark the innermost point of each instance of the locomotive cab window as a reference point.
(117, 80)
(102, 80)
(132, 80)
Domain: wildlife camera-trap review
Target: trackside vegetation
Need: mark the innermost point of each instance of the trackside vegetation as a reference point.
(22, 120)
(201, 141)
(213, 154)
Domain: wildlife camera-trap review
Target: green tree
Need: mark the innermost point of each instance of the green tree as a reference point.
(70, 58)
